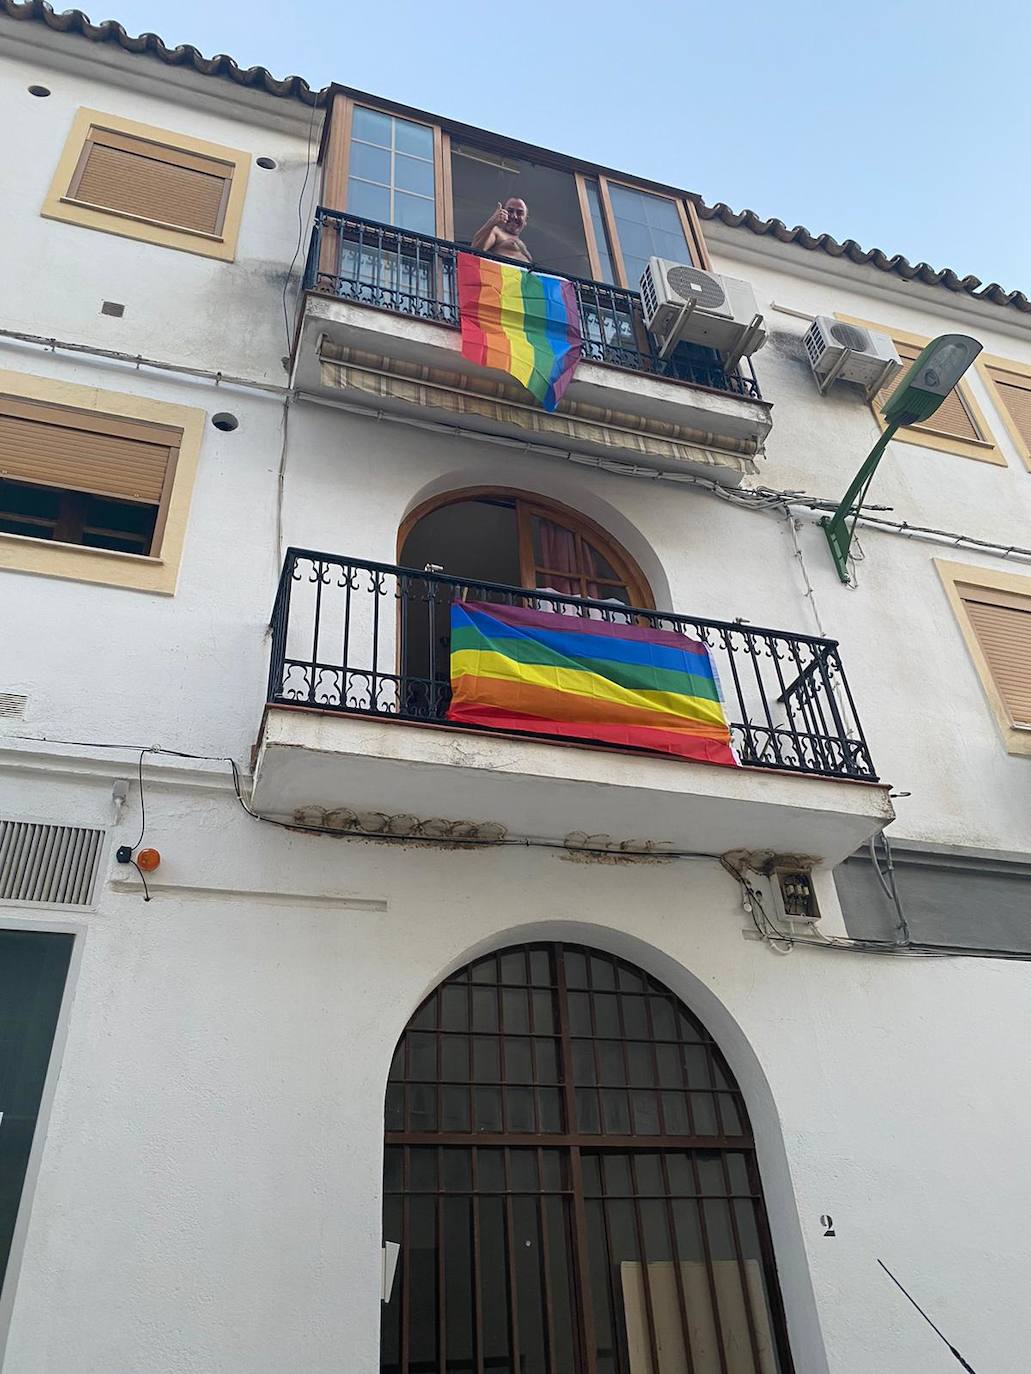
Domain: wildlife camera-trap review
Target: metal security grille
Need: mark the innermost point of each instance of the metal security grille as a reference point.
(570, 1174)
(48, 864)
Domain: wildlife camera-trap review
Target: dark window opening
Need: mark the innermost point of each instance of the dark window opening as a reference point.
(481, 177)
(76, 517)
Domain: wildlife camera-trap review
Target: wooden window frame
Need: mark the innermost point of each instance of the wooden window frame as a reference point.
(527, 504)
(109, 411)
(981, 450)
(336, 158)
(180, 149)
(955, 577)
(988, 365)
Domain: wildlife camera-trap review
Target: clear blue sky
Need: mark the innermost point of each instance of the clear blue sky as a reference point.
(905, 125)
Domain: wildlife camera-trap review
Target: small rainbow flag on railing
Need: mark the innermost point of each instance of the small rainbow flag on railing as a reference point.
(552, 674)
(521, 322)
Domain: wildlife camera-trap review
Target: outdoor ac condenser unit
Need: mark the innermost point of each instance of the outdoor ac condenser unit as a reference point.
(686, 303)
(848, 352)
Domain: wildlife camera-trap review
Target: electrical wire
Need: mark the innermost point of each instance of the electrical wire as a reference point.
(765, 926)
(300, 232)
(927, 1319)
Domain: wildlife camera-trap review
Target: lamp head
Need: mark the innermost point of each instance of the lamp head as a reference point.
(930, 379)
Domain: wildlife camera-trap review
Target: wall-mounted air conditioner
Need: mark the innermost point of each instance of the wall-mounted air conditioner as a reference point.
(847, 352)
(686, 303)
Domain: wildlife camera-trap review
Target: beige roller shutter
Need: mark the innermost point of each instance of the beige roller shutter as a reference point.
(165, 184)
(82, 451)
(1015, 395)
(951, 417)
(1002, 623)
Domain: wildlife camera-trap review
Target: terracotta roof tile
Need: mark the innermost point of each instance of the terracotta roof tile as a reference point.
(185, 55)
(896, 263)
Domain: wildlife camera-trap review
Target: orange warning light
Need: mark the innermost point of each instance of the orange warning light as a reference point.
(148, 859)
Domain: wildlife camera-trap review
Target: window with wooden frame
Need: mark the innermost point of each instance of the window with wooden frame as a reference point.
(958, 425)
(1009, 385)
(994, 614)
(145, 183)
(94, 486)
(81, 478)
(581, 224)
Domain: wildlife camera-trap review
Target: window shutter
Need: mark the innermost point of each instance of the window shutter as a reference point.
(164, 184)
(1015, 394)
(81, 451)
(1002, 623)
(951, 417)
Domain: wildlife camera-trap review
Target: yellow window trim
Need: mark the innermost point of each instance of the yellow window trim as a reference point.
(58, 204)
(955, 575)
(983, 451)
(986, 364)
(157, 572)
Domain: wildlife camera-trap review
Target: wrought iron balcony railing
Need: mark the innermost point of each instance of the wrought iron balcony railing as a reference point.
(371, 639)
(413, 274)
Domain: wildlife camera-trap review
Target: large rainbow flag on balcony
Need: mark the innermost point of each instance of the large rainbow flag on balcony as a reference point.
(521, 322)
(551, 674)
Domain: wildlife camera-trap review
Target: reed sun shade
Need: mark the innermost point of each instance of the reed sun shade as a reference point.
(79, 450)
(953, 417)
(152, 181)
(1001, 622)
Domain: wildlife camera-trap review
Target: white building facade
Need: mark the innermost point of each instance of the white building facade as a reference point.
(647, 1118)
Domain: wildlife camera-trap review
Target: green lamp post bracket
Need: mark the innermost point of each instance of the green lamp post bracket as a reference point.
(929, 380)
(839, 528)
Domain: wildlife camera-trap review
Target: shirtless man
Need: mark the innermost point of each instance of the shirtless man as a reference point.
(500, 235)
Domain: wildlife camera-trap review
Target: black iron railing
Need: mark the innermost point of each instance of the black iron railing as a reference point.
(372, 639)
(413, 274)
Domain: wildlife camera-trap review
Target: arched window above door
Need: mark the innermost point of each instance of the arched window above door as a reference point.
(497, 535)
(570, 1176)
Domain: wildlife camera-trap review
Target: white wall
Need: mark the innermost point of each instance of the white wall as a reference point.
(179, 307)
(208, 1192)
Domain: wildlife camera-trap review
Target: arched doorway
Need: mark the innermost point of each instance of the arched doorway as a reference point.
(493, 534)
(497, 541)
(571, 1177)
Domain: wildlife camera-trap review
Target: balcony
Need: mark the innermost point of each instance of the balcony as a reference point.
(356, 719)
(381, 317)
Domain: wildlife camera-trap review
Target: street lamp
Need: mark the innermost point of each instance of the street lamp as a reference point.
(921, 391)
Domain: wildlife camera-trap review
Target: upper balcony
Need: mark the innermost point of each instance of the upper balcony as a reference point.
(356, 722)
(380, 322)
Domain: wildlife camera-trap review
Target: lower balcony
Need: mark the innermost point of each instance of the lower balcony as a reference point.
(380, 322)
(356, 725)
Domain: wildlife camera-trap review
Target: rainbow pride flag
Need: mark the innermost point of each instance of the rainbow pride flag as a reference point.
(520, 322)
(551, 674)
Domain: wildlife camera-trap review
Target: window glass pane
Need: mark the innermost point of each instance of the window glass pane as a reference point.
(411, 174)
(415, 139)
(368, 201)
(648, 226)
(371, 126)
(370, 164)
(601, 238)
(415, 213)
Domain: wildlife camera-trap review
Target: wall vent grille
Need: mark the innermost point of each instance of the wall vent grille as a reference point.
(12, 706)
(48, 865)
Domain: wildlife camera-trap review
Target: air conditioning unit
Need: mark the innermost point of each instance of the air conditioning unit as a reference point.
(685, 303)
(849, 353)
